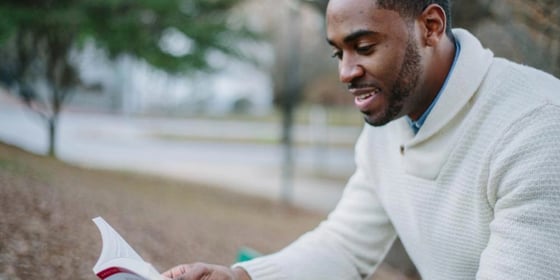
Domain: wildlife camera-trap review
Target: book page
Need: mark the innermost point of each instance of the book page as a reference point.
(118, 260)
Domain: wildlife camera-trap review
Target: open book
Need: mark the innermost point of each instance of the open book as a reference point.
(118, 261)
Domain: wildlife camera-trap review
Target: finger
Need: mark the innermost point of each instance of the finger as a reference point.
(176, 271)
(194, 271)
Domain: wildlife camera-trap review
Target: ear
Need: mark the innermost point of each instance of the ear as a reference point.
(433, 23)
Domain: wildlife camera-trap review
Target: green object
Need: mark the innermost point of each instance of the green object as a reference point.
(142, 28)
(246, 254)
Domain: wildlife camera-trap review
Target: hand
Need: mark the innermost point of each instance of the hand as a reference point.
(202, 271)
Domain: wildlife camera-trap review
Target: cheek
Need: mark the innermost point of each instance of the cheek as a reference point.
(385, 64)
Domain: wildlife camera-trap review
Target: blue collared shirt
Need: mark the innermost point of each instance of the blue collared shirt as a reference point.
(416, 125)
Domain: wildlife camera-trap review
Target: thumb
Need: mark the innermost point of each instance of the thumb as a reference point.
(175, 272)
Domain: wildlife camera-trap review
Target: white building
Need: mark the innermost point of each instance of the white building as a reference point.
(132, 86)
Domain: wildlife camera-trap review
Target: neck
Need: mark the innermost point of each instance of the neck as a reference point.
(436, 72)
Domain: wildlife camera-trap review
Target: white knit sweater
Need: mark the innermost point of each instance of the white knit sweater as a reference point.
(474, 195)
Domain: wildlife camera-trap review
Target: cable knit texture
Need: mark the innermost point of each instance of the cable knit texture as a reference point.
(474, 195)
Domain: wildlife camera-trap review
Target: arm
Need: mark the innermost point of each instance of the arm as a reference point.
(524, 190)
(348, 245)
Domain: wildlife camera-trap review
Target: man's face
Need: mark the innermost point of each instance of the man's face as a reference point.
(378, 58)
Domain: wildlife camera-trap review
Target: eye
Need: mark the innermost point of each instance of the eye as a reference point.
(365, 49)
(337, 54)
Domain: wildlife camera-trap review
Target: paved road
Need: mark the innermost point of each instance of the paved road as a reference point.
(169, 147)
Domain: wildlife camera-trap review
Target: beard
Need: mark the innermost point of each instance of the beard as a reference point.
(406, 81)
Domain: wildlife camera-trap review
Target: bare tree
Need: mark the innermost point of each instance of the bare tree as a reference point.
(38, 68)
(524, 31)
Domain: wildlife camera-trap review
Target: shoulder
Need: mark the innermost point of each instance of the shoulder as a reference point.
(517, 82)
(512, 94)
(521, 103)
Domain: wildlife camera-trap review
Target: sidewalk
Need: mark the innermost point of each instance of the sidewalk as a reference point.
(135, 144)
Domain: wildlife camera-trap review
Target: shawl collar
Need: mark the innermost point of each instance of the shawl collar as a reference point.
(426, 152)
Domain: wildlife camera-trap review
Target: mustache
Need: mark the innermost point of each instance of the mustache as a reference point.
(363, 84)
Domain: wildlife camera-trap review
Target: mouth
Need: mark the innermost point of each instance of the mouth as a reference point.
(362, 91)
(363, 94)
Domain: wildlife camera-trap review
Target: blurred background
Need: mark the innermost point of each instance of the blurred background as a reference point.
(201, 126)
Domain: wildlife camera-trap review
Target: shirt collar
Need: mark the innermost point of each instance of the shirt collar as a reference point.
(416, 125)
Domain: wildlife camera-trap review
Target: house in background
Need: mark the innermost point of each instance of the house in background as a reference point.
(131, 86)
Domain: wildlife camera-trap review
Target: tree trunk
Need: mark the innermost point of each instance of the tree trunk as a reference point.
(52, 122)
(292, 89)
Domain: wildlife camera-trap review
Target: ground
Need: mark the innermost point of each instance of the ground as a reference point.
(46, 232)
(46, 208)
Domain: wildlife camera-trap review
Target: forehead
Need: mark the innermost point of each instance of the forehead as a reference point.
(345, 17)
(339, 9)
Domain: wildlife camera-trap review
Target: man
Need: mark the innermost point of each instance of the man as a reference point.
(460, 157)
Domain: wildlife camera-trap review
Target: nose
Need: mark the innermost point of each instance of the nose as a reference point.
(349, 69)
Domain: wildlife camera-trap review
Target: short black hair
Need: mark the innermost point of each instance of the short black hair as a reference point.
(413, 8)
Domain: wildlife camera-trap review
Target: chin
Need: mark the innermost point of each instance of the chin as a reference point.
(376, 121)
(384, 116)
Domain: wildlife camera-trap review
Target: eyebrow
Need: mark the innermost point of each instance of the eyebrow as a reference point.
(355, 35)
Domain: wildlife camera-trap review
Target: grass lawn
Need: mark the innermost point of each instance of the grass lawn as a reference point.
(46, 208)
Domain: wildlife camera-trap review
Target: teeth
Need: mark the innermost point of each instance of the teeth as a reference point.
(364, 96)
(369, 94)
